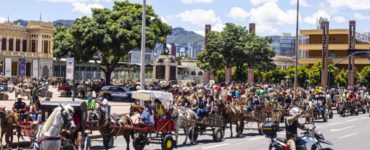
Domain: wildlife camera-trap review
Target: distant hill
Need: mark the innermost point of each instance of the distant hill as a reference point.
(182, 37)
(57, 23)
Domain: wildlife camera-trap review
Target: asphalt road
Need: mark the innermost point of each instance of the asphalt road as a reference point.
(346, 133)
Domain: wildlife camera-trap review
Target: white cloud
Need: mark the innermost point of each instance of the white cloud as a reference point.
(361, 17)
(260, 2)
(199, 17)
(339, 19)
(85, 8)
(271, 14)
(238, 13)
(71, 1)
(197, 1)
(2, 19)
(352, 4)
(266, 30)
(312, 19)
(301, 3)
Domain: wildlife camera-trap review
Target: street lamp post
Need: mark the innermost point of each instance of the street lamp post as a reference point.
(143, 47)
(296, 53)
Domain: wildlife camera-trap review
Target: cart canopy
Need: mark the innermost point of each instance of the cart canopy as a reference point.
(148, 95)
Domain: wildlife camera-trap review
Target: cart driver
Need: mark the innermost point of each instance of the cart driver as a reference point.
(91, 105)
(20, 107)
(147, 116)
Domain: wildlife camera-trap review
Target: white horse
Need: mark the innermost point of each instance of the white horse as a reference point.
(184, 118)
(48, 136)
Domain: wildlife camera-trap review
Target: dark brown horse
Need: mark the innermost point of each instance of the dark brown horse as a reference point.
(120, 122)
(8, 123)
(232, 115)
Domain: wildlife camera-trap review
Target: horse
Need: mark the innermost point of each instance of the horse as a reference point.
(232, 115)
(184, 118)
(104, 122)
(9, 122)
(48, 136)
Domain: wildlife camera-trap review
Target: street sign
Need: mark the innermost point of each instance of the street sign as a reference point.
(70, 68)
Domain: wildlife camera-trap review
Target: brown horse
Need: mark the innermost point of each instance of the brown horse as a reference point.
(9, 123)
(232, 115)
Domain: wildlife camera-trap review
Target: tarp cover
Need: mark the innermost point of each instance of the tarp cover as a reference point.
(147, 95)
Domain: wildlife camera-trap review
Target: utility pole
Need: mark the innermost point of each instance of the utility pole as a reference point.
(296, 53)
(143, 47)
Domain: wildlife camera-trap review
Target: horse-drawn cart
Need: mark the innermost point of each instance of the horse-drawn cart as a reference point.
(257, 117)
(164, 127)
(80, 108)
(215, 123)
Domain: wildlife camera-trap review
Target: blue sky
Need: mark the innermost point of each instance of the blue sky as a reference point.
(272, 17)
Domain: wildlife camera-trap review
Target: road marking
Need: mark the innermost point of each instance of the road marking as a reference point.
(214, 146)
(348, 135)
(352, 120)
(330, 124)
(341, 129)
(256, 138)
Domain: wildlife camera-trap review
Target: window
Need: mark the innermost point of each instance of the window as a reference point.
(46, 47)
(11, 42)
(3, 44)
(33, 46)
(18, 45)
(24, 49)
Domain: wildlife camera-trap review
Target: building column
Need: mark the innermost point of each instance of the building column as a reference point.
(7, 43)
(250, 75)
(21, 45)
(228, 74)
(325, 49)
(14, 44)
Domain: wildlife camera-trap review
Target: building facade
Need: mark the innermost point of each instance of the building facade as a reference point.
(26, 51)
(338, 48)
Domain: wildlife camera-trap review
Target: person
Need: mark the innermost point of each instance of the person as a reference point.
(35, 93)
(200, 110)
(159, 109)
(103, 105)
(20, 107)
(291, 127)
(210, 105)
(147, 116)
(35, 114)
(91, 106)
(75, 135)
(90, 103)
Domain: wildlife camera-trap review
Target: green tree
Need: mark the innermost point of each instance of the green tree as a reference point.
(112, 33)
(341, 79)
(365, 76)
(302, 75)
(274, 76)
(235, 47)
(314, 74)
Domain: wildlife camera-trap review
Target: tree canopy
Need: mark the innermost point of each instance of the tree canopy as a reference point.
(235, 47)
(111, 33)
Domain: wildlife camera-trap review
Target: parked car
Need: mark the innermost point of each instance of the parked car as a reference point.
(113, 92)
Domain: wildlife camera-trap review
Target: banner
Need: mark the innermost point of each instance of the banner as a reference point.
(22, 67)
(8, 67)
(70, 68)
(35, 68)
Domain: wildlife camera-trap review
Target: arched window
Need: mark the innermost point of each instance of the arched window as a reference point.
(193, 73)
(200, 73)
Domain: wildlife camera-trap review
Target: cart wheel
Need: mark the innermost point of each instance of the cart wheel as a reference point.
(218, 135)
(331, 115)
(168, 143)
(196, 134)
(138, 143)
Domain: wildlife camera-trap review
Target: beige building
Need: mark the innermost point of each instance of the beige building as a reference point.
(283, 62)
(26, 51)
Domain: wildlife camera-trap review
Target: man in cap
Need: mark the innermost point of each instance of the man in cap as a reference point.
(20, 107)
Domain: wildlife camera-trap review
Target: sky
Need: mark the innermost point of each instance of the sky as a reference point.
(272, 17)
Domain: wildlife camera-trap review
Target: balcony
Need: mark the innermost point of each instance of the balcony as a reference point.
(25, 54)
(358, 61)
(318, 47)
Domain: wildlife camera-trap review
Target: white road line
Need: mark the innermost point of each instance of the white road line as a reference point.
(352, 120)
(256, 138)
(341, 129)
(348, 135)
(335, 123)
(214, 146)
